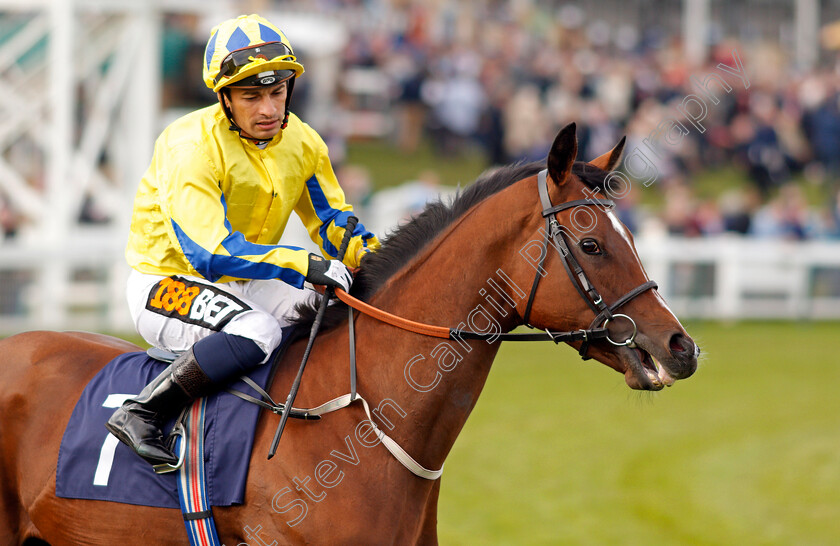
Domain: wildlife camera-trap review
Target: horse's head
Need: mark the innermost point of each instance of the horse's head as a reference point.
(592, 277)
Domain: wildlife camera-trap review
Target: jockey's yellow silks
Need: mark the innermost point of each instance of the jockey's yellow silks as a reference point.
(214, 205)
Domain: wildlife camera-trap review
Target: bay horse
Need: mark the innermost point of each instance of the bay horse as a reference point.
(484, 262)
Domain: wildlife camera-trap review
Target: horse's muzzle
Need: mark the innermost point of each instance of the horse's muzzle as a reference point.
(652, 367)
(684, 353)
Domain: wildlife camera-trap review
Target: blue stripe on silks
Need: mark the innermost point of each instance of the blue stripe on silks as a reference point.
(325, 213)
(237, 245)
(340, 220)
(269, 35)
(360, 231)
(366, 235)
(211, 47)
(238, 39)
(213, 266)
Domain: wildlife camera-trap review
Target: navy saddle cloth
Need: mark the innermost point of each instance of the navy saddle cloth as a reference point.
(92, 464)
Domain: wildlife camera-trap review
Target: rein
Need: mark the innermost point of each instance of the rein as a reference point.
(553, 235)
(453, 333)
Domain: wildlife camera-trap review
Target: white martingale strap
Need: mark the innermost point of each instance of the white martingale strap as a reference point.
(390, 444)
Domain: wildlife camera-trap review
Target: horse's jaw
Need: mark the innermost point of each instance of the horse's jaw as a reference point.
(649, 367)
(643, 371)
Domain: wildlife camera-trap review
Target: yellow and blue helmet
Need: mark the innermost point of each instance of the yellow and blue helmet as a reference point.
(248, 51)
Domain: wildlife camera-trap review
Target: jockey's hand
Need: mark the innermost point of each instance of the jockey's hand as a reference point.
(329, 273)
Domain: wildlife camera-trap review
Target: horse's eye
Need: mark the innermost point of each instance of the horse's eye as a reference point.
(590, 246)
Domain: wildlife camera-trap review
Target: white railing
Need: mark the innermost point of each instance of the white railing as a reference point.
(81, 285)
(77, 285)
(734, 277)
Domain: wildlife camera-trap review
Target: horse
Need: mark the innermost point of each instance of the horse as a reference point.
(492, 259)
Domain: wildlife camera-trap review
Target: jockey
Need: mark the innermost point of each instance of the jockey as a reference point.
(208, 275)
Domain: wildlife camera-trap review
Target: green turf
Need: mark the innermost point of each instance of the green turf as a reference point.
(388, 166)
(747, 451)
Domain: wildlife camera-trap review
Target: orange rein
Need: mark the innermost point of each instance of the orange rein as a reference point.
(393, 320)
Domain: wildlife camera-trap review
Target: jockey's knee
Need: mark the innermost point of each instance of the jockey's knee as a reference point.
(223, 356)
(259, 326)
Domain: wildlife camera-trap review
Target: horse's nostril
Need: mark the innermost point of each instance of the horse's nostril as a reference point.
(680, 344)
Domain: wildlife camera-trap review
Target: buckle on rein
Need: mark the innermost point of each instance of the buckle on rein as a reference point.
(558, 337)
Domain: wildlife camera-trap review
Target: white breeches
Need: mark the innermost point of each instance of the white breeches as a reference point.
(174, 312)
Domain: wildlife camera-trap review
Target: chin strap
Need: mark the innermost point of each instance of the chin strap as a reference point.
(238, 130)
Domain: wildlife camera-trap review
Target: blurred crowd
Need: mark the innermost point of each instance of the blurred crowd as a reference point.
(507, 82)
(504, 81)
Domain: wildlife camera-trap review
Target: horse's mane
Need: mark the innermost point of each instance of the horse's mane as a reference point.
(407, 239)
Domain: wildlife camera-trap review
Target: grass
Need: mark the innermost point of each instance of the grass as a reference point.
(559, 451)
(711, 183)
(388, 166)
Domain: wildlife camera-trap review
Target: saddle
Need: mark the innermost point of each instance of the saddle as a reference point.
(92, 464)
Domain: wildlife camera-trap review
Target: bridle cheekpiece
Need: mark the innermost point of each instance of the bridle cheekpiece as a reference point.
(554, 236)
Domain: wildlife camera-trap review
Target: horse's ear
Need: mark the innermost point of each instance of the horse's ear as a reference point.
(609, 160)
(563, 153)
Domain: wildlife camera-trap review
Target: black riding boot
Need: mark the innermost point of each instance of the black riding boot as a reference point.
(139, 421)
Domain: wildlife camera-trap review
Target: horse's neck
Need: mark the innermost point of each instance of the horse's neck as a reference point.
(436, 382)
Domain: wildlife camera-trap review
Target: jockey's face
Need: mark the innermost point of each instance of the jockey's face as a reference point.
(258, 111)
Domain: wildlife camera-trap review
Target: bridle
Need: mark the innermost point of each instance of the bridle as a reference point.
(553, 236)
